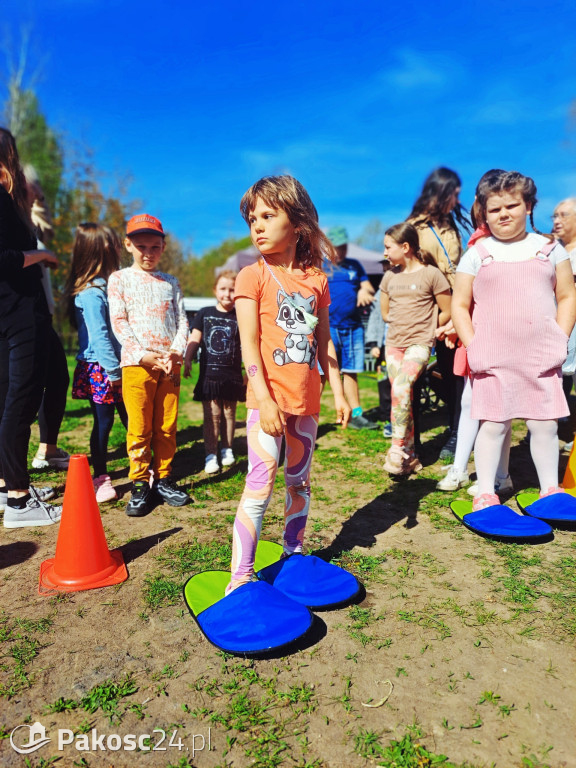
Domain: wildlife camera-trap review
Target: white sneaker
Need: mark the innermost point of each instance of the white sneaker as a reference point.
(454, 479)
(501, 485)
(36, 512)
(227, 457)
(211, 465)
(60, 460)
(44, 494)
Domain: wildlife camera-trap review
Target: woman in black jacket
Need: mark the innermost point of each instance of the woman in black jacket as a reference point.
(24, 331)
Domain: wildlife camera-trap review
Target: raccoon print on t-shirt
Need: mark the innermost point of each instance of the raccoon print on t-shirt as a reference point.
(292, 319)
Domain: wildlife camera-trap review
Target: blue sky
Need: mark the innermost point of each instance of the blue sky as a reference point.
(359, 100)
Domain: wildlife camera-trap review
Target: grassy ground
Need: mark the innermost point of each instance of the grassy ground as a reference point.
(461, 653)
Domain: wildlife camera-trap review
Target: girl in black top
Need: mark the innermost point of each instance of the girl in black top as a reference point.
(220, 385)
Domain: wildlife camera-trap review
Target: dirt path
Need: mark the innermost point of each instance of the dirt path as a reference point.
(466, 645)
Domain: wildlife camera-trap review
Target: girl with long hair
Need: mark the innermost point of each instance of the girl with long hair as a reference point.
(282, 308)
(438, 214)
(97, 378)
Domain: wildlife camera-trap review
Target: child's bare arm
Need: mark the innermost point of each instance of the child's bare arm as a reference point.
(272, 419)
(384, 305)
(329, 363)
(565, 297)
(461, 303)
(443, 300)
(194, 341)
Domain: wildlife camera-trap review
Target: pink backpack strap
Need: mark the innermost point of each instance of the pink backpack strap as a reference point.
(482, 252)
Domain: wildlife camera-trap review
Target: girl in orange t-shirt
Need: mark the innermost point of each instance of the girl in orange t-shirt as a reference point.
(282, 309)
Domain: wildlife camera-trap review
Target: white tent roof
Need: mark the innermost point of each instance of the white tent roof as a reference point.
(370, 260)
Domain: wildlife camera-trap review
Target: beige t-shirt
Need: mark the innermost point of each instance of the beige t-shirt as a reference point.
(413, 314)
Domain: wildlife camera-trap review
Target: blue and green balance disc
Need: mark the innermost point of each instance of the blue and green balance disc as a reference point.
(274, 610)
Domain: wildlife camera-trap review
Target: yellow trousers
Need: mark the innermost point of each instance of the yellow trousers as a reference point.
(151, 400)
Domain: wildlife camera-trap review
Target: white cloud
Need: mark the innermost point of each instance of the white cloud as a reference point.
(295, 154)
(416, 71)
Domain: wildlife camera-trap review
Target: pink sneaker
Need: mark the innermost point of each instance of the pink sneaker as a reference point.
(105, 491)
(485, 500)
(551, 491)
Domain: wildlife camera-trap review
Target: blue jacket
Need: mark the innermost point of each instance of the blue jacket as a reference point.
(95, 337)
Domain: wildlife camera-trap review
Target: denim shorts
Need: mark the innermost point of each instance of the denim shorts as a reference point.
(349, 343)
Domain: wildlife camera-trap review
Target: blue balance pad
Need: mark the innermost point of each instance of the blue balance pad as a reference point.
(557, 508)
(307, 579)
(254, 618)
(500, 522)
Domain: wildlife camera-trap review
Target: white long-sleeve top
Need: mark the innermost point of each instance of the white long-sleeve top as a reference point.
(147, 313)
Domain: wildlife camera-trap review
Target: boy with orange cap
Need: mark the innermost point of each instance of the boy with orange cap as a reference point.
(148, 318)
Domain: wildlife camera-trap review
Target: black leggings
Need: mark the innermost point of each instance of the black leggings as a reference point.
(24, 345)
(53, 403)
(103, 414)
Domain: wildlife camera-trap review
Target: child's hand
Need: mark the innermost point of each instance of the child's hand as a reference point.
(155, 361)
(447, 334)
(171, 360)
(343, 410)
(116, 385)
(375, 352)
(272, 419)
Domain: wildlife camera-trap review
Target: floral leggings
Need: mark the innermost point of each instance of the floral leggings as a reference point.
(404, 366)
(263, 457)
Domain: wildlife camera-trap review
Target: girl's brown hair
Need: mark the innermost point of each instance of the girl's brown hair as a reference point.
(287, 194)
(228, 274)
(496, 181)
(12, 178)
(96, 253)
(431, 206)
(407, 233)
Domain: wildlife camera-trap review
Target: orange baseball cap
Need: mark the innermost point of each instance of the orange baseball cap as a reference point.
(144, 224)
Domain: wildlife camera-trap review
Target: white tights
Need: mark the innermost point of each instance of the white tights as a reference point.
(467, 431)
(543, 448)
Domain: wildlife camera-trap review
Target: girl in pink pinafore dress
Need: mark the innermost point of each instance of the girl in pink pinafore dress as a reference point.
(524, 307)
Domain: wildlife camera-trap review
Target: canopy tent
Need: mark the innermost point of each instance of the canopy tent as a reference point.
(370, 260)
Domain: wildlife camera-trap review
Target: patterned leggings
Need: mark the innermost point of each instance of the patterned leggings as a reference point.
(263, 456)
(404, 366)
(219, 421)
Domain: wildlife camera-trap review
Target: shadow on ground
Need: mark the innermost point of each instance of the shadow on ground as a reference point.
(378, 516)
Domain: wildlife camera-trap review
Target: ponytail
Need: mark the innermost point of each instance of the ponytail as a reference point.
(426, 258)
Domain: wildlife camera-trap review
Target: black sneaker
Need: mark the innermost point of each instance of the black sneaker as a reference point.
(169, 492)
(139, 503)
(449, 448)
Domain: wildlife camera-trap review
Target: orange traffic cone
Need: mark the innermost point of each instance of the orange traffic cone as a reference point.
(83, 560)
(569, 482)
